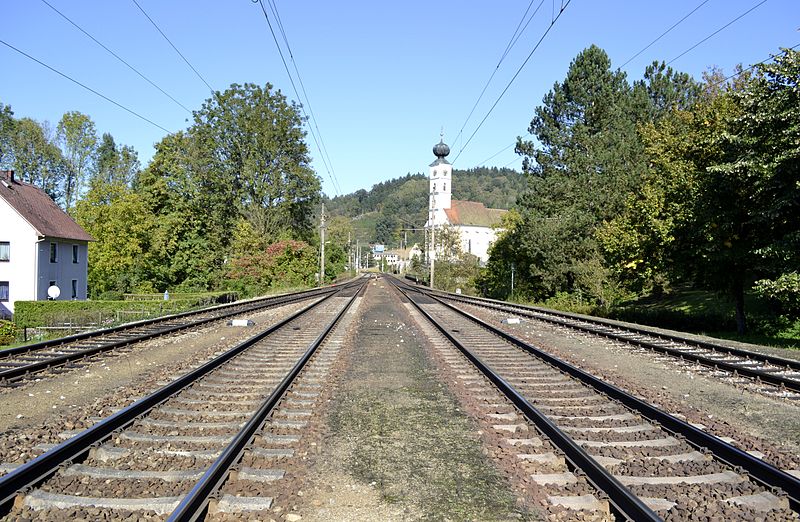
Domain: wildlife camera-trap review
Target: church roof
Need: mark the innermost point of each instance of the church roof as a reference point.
(473, 213)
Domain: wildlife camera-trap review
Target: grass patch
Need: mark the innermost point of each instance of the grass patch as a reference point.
(695, 311)
(710, 314)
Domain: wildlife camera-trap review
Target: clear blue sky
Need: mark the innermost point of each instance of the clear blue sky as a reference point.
(383, 77)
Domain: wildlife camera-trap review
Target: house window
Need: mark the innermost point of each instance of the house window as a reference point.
(74, 253)
(5, 251)
(444, 188)
(3, 291)
(53, 252)
(469, 248)
(74, 288)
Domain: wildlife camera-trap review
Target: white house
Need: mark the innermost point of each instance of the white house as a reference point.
(474, 222)
(40, 246)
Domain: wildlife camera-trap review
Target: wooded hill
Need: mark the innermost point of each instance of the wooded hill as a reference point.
(398, 208)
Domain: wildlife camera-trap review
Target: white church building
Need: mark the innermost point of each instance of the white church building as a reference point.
(474, 222)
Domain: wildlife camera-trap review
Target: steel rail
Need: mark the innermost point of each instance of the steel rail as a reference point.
(625, 502)
(758, 375)
(14, 373)
(246, 305)
(38, 469)
(195, 503)
(757, 468)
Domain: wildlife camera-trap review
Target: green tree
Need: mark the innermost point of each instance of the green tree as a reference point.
(386, 229)
(250, 142)
(588, 159)
(118, 219)
(78, 138)
(719, 207)
(36, 159)
(453, 267)
(7, 124)
(113, 164)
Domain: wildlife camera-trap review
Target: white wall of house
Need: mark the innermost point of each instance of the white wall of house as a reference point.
(476, 240)
(20, 269)
(29, 271)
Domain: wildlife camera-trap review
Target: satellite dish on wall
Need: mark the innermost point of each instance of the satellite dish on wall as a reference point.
(53, 292)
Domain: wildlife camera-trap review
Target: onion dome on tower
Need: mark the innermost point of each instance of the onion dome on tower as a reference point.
(441, 150)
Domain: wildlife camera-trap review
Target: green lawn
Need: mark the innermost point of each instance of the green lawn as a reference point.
(707, 313)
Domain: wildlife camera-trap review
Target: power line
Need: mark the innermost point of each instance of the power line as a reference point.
(676, 24)
(115, 55)
(173, 45)
(73, 80)
(718, 30)
(509, 46)
(324, 149)
(500, 151)
(544, 35)
(294, 87)
(753, 66)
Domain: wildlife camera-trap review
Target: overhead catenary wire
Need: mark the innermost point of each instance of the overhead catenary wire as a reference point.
(294, 87)
(324, 149)
(659, 37)
(718, 31)
(519, 70)
(753, 66)
(115, 55)
(73, 80)
(680, 55)
(512, 41)
(173, 45)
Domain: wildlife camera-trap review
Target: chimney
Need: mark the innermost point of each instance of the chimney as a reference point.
(7, 175)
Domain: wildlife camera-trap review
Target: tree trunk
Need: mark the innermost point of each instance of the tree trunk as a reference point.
(738, 294)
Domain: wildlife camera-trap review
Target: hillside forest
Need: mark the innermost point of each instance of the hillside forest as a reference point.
(628, 188)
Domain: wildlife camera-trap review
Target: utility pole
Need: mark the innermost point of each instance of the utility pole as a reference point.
(322, 247)
(512, 280)
(433, 250)
(358, 255)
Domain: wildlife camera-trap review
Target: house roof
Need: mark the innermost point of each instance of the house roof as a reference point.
(39, 210)
(473, 213)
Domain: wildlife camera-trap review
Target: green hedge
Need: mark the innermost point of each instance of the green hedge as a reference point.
(30, 314)
(216, 297)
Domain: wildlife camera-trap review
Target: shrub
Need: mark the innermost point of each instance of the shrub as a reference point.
(783, 292)
(8, 332)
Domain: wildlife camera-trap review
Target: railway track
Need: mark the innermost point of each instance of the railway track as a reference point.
(210, 438)
(769, 375)
(20, 364)
(586, 444)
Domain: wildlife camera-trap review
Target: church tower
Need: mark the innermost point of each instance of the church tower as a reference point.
(440, 185)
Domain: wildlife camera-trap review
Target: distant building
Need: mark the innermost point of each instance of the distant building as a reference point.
(40, 246)
(474, 222)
